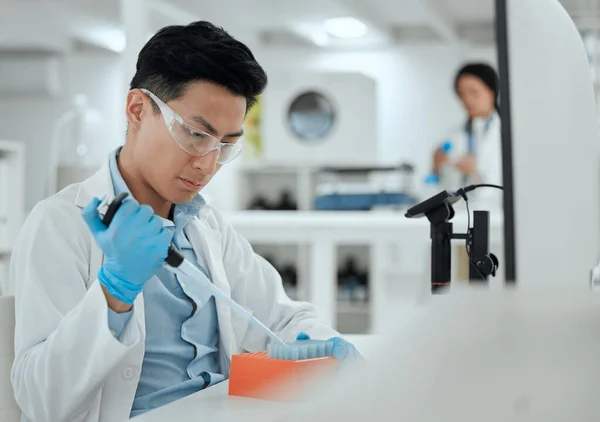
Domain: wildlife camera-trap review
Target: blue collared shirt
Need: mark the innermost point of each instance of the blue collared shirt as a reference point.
(182, 332)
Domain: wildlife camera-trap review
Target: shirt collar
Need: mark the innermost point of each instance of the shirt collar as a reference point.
(119, 184)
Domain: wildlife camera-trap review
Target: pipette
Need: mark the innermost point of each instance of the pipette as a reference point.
(178, 265)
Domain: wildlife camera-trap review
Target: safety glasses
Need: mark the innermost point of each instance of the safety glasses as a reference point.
(193, 140)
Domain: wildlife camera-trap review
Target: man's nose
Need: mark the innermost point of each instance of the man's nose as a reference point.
(207, 164)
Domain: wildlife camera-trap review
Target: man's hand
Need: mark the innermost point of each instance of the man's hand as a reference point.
(135, 246)
(467, 165)
(342, 350)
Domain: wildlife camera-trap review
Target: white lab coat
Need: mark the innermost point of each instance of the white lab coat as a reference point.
(68, 366)
(488, 146)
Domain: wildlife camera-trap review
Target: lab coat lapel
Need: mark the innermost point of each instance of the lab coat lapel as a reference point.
(98, 185)
(206, 243)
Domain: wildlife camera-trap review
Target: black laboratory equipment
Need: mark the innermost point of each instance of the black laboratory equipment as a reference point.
(289, 275)
(286, 202)
(350, 278)
(259, 203)
(439, 211)
(289, 278)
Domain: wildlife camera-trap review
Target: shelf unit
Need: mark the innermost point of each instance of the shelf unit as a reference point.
(268, 181)
(395, 252)
(12, 203)
(352, 316)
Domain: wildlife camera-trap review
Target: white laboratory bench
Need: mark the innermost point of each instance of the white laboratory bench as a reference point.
(399, 252)
(215, 403)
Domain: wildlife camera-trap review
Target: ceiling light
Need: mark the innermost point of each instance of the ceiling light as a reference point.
(345, 27)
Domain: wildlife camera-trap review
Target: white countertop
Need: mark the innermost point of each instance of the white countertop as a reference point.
(215, 404)
(345, 219)
(344, 227)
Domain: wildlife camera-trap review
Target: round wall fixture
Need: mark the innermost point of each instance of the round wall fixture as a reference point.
(311, 116)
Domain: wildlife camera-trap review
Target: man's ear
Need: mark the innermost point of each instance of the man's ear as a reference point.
(134, 109)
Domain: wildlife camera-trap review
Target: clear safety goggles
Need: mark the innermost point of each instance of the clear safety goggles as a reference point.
(193, 140)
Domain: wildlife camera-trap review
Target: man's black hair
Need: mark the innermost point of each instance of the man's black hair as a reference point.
(179, 55)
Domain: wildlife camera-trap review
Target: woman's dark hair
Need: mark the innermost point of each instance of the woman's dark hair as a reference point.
(483, 72)
(179, 55)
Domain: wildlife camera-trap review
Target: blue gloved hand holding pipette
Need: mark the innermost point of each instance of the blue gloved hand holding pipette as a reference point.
(135, 246)
(342, 350)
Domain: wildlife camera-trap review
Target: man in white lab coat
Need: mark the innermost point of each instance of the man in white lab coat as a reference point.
(103, 332)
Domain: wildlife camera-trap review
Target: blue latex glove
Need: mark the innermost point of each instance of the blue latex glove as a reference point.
(135, 246)
(342, 350)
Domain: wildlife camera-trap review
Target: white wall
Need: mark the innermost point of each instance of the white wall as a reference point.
(100, 78)
(31, 120)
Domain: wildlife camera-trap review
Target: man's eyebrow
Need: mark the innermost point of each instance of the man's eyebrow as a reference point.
(210, 128)
(201, 120)
(237, 134)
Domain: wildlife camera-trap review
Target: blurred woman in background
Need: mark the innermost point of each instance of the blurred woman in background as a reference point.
(473, 154)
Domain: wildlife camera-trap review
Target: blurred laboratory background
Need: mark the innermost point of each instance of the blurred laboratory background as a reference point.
(360, 95)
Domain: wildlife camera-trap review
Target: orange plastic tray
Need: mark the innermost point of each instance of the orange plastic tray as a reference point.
(257, 376)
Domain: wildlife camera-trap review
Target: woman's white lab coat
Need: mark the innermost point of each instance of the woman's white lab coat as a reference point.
(488, 147)
(68, 366)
